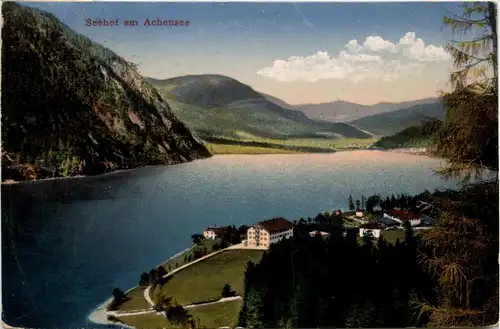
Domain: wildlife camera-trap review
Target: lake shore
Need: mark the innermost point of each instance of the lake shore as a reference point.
(99, 314)
(412, 150)
(230, 150)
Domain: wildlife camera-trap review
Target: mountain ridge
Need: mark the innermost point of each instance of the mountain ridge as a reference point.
(389, 123)
(240, 106)
(343, 111)
(79, 86)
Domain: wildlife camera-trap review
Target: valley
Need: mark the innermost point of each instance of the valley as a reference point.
(234, 118)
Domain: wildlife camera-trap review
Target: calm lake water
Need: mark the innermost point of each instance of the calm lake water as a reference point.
(67, 243)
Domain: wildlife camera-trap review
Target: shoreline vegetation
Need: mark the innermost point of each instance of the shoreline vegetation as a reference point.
(99, 314)
(228, 149)
(140, 305)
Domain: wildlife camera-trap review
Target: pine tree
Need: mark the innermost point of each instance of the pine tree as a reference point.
(469, 137)
(461, 252)
(254, 307)
(350, 203)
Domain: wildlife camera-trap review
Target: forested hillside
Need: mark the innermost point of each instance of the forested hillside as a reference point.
(71, 106)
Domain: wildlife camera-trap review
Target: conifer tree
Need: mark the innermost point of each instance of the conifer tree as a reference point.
(469, 137)
(350, 203)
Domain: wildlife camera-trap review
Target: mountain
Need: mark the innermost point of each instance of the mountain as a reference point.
(411, 137)
(389, 123)
(341, 111)
(277, 101)
(72, 107)
(219, 106)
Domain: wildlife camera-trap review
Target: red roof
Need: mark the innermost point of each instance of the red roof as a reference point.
(216, 230)
(402, 214)
(276, 225)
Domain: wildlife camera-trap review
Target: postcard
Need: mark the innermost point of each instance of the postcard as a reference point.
(249, 164)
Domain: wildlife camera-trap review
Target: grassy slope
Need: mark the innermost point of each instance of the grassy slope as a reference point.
(415, 136)
(136, 300)
(218, 315)
(200, 282)
(210, 316)
(225, 108)
(179, 260)
(204, 281)
(148, 321)
(393, 122)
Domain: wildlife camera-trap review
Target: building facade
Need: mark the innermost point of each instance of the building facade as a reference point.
(213, 232)
(319, 233)
(371, 228)
(271, 231)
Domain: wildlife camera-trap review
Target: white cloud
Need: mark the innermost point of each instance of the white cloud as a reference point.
(415, 49)
(378, 44)
(375, 58)
(353, 46)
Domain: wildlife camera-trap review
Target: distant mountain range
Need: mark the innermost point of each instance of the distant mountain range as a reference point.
(341, 111)
(219, 106)
(389, 123)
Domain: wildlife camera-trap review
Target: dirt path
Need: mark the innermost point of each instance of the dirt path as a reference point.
(222, 300)
(147, 292)
(149, 311)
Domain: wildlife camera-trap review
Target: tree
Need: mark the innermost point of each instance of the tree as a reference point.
(469, 137)
(393, 201)
(178, 315)
(119, 297)
(461, 252)
(363, 202)
(118, 294)
(197, 238)
(358, 204)
(144, 281)
(350, 203)
(254, 308)
(227, 291)
(162, 302)
(371, 202)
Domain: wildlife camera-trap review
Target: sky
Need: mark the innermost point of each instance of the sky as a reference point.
(299, 52)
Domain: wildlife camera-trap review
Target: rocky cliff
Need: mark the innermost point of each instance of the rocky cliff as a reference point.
(73, 107)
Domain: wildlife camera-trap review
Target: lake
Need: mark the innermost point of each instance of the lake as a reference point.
(68, 243)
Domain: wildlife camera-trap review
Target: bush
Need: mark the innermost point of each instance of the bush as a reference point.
(145, 279)
(113, 318)
(227, 291)
(224, 244)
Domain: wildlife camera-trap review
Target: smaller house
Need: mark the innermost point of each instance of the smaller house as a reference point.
(213, 232)
(320, 233)
(371, 227)
(337, 212)
(402, 216)
(359, 213)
